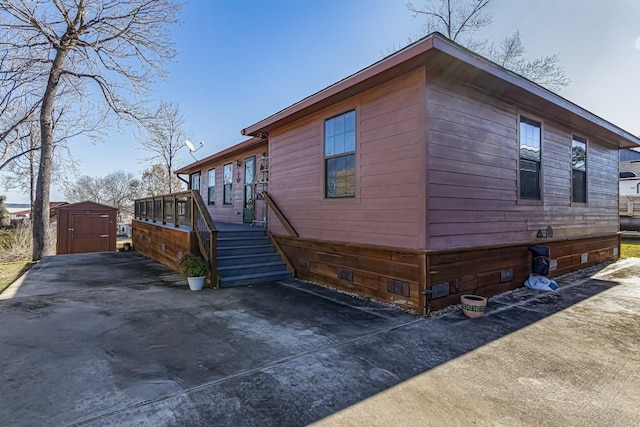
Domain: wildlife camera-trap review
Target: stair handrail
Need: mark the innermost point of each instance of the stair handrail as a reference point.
(206, 232)
(276, 210)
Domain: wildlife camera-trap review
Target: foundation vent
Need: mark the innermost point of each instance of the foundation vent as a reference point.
(303, 263)
(440, 290)
(345, 274)
(398, 287)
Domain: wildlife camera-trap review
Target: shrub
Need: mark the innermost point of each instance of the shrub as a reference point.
(193, 265)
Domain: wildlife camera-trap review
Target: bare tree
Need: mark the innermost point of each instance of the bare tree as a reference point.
(546, 71)
(85, 188)
(461, 20)
(163, 137)
(156, 181)
(118, 189)
(121, 189)
(105, 54)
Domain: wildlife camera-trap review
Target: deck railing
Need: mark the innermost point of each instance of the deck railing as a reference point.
(276, 210)
(188, 209)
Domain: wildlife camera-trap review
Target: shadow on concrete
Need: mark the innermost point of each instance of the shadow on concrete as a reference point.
(117, 339)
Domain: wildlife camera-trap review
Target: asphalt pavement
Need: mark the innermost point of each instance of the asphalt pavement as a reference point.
(117, 339)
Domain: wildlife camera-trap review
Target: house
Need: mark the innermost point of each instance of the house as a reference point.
(19, 215)
(630, 189)
(429, 173)
(227, 181)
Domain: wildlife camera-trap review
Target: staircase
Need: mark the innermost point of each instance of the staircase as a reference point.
(247, 257)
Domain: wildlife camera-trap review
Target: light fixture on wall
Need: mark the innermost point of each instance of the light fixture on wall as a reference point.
(238, 164)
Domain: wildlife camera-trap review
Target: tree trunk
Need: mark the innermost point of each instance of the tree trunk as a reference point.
(40, 212)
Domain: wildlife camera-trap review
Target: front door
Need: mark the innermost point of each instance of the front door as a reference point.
(249, 178)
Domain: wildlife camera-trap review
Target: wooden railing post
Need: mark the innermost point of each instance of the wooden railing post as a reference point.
(175, 211)
(164, 219)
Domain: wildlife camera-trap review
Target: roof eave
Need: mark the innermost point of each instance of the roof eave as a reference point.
(228, 152)
(318, 99)
(413, 54)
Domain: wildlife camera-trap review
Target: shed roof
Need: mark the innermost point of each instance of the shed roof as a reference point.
(221, 155)
(441, 54)
(86, 205)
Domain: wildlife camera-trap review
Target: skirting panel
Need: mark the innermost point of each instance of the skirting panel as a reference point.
(398, 276)
(161, 243)
(388, 275)
(490, 271)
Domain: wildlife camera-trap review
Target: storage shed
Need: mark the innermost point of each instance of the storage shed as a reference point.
(86, 227)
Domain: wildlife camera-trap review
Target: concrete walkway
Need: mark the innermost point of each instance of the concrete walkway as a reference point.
(116, 339)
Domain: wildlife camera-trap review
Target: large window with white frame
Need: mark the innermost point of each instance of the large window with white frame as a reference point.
(578, 170)
(227, 181)
(340, 155)
(530, 158)
(211, 189)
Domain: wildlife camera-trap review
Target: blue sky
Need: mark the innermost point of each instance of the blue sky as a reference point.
(241, 61)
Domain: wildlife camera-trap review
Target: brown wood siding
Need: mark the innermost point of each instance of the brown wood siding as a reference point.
(321, 262)
(478, 271)
(164, 244)
(473, 175)
(388, 208)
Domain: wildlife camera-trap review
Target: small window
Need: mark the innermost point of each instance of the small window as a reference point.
(340, 155)
(194, 178)
(211, 189)
(530, 155)
(227, 181)
(579, 170)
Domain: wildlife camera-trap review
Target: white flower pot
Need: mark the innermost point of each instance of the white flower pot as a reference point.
(196, 283)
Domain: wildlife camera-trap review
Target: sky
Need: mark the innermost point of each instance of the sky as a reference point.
(241, 61)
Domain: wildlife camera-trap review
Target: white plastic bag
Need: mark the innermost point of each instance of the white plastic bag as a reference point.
(540, 283)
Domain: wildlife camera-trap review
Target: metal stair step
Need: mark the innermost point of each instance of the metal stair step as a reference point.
(245, 250)
(253, 279)
(254, 268)
(224, 261)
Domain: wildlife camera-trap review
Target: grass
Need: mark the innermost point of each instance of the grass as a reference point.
(630, 249)
(10, 271)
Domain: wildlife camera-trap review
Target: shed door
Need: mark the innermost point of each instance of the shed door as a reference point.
(90, 232)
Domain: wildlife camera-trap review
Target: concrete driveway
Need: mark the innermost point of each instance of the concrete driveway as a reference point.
(117, 339)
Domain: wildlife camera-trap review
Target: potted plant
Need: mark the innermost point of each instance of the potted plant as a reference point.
(195, 269)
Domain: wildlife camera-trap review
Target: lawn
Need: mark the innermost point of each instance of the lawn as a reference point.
(630, 249)
(10, 271)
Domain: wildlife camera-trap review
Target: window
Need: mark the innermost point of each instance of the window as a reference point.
(579, 170)
(211, 190)
(227, 180)
(194, 178)
(340, 155)
(530, 137)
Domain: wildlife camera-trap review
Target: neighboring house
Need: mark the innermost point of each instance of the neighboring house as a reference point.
(20, 215)
(432, 170)
(630, 189)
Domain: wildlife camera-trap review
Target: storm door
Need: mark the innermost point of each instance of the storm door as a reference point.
(249, 179)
